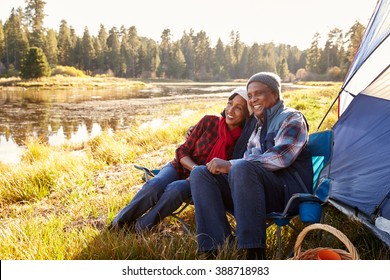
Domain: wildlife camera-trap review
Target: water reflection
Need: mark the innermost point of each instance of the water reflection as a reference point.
(56, 117)
(10, 152)
(58, 138)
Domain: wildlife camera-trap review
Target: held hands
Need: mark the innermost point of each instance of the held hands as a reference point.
(217, 166)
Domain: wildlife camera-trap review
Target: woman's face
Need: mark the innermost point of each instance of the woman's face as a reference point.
(261, 97)
(236, 112)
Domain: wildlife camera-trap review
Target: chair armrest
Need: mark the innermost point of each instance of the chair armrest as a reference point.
(147, 172)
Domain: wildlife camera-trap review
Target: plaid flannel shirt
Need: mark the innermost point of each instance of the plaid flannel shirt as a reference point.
(289, 142)
(198, 145)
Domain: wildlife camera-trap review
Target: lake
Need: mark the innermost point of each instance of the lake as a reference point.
(58, 116)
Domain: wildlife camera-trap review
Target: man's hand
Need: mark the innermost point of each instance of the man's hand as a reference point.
(217, 166)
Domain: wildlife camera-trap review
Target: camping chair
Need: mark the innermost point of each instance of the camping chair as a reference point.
(320, 145)
(150, 174)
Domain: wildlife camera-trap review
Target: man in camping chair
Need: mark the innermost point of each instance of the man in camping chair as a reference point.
(275, 165)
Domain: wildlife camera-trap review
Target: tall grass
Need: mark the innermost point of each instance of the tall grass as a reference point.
(57, 203)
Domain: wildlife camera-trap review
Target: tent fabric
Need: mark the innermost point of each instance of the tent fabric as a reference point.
(372, 57)
(360, 168)
(380, 87)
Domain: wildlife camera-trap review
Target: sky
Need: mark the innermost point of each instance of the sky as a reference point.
(292, 22)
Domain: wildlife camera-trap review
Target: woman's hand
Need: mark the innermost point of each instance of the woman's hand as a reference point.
(188, 132)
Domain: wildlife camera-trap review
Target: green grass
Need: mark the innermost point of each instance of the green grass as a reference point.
(57, 203)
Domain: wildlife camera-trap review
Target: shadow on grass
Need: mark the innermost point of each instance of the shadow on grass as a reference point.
(164, 242)
(168, 241)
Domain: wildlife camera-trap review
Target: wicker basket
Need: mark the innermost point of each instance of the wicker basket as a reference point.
(311, 254)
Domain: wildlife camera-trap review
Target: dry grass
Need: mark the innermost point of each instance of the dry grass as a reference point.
(61, 82)
(57, 203)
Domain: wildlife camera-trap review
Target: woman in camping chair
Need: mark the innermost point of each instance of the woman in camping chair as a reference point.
(213, 136)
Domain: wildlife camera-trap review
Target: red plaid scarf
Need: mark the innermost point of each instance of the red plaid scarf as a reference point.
(226, 140)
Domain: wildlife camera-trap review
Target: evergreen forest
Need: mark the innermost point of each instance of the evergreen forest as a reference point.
(122, 52)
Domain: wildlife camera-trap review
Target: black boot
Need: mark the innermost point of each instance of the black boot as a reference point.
(255, 254)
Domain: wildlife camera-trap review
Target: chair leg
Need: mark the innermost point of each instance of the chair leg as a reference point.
(293, 227)
(322, 220)
(183, 224)
(279, 235)
(176, 216)
(146, 176)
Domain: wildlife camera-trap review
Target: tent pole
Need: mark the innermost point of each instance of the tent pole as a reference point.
(331, 106)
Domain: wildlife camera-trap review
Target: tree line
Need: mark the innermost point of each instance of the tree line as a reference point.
(121, 52)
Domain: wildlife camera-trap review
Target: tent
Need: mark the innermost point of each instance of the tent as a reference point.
(360, 168)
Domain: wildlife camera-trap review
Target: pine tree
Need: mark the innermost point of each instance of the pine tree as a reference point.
(236, 47)
(142, 58)
(87, 50)
(152, 62)
(314, 55)
(202, 48)
(354, 37)
(16, 43)
(113, 55)
(187, 47)
(293, 59)
(254, 58)
(219, 65)
(51, 47)
(243, 64)
(2, 44)
(64, 44)
(35, 65)
(177, 64)
(165, 52)
(101, 49)
(35, 16)
(283, 69)
(134, 44)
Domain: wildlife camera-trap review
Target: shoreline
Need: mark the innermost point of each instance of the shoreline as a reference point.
(60, 82)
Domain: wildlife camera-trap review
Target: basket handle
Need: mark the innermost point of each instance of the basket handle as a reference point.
(341, 236)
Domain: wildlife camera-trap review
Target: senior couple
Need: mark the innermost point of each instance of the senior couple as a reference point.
(268, 162)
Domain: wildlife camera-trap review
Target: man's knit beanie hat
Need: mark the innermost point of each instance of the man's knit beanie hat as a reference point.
(268, 78)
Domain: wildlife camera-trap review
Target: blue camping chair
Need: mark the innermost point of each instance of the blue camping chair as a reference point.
(147, 172)
(320, 145)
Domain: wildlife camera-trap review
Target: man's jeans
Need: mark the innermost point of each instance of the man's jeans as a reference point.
(248, 191)
(162, 194)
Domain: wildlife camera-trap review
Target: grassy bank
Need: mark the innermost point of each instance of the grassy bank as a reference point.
(57, 203)
(60, 82)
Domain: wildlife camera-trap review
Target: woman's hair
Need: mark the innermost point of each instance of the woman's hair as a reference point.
(231, 97)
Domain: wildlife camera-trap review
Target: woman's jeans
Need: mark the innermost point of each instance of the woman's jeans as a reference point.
(161, 195)
(248, 191)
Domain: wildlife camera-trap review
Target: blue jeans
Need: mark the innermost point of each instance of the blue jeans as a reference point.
(157, 199)
(248, 191)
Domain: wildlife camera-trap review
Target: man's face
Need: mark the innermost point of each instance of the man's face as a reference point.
(261, 97)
